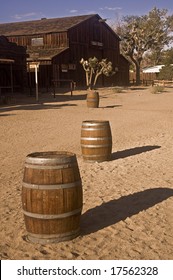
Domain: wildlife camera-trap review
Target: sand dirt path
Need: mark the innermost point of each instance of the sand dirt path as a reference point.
(128, 201)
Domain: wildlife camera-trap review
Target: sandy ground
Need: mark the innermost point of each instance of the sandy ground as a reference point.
(128, 201)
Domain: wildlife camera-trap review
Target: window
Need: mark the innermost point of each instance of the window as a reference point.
(37, 41)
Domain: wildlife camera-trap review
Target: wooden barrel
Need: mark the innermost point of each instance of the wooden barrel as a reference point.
(96, 141)
(92, 99)
(51, 197)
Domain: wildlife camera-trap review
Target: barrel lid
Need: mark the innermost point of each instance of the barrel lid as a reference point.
(95, 122)
(50, 157)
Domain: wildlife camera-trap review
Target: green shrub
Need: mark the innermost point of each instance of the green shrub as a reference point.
(117, 90)
(157, 89)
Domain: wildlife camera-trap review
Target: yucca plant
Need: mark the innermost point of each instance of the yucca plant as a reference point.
(94, 68)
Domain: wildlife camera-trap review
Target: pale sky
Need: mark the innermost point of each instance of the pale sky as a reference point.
(23, 10)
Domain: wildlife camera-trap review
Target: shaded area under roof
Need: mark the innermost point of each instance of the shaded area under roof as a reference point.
(44, 54)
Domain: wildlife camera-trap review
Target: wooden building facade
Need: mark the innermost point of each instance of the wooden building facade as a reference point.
(59, 44)
(13, 74)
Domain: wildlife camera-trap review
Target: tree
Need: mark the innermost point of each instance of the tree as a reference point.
(167, 57)
(164, 57)
(166, 73)
(142, 34)
(94, 68)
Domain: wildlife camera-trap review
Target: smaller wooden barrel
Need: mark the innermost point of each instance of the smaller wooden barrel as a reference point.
(96, 141)
(51, 197)
(92, 99)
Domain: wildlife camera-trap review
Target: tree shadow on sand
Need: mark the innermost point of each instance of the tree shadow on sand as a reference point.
(133, 151)
(117, 210)
(138, 88)
(6, 115)
(34, 107)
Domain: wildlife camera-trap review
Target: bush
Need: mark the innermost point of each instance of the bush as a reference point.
(157, 89)
(118, 90)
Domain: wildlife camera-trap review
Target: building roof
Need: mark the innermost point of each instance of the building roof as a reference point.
(153, 69)
(43, 25)
(6, 60)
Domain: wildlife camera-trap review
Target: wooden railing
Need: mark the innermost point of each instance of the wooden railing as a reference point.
(142, 82)
(164, 83)
(56, 83)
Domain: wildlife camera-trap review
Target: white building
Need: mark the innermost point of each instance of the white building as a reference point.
(153, 69)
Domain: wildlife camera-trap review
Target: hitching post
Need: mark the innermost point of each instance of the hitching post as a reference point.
(35, 56)
(36, 80)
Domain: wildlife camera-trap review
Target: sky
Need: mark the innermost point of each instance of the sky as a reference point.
(112, 10)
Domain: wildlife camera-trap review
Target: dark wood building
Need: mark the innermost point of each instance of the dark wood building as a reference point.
(58, 44)
(13, 74)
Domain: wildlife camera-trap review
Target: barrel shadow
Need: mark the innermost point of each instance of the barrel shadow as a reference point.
(117, 210)
(133, 152)
(111, 106)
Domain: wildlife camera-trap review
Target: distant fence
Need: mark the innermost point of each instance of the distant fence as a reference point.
(146, 79)
(164, 83)
(143, 82)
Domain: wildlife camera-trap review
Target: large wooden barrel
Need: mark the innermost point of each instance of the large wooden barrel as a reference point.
(51, 197)
(92, 99)
(96, 141)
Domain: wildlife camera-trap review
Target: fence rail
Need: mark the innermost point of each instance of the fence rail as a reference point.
(142, 82)
(165, 83)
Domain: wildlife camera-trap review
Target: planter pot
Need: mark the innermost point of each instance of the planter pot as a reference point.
(92, 99)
